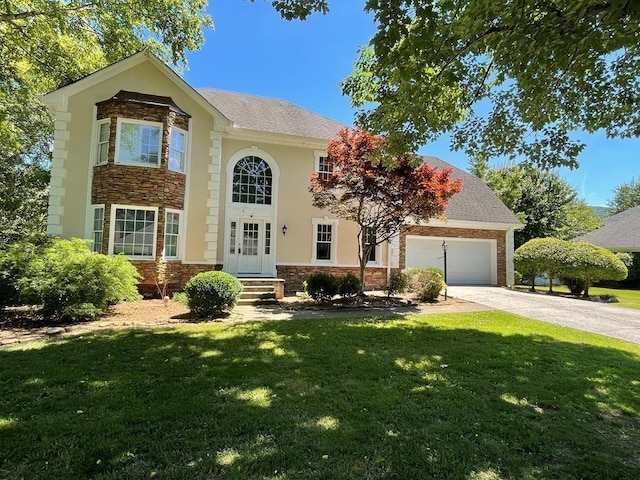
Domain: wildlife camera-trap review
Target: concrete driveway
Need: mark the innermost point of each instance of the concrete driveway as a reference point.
(609, 320)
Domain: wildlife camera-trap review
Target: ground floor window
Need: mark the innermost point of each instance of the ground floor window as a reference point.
(370, 241)
(172, 232)
(133, 231)
(97, 228)
(324, 240)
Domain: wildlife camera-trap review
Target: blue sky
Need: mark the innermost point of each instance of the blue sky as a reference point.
(253, 50)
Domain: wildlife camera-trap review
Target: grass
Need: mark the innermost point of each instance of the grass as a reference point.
(626, 298)
(483, 396)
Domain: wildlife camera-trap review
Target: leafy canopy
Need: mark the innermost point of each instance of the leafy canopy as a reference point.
(45, 44)
(625, 196)
(378, 191)
(542, 200)
(506, 78)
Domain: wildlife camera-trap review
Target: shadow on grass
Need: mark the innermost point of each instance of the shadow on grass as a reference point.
(401, 398)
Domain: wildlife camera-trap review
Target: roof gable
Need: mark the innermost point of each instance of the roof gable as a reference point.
(619, 232)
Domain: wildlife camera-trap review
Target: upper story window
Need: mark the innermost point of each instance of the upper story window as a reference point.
(177, 150)
(323, 166)
(102, 147)
(138, 142)
(252, 181)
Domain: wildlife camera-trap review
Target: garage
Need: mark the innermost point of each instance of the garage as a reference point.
(469, 261)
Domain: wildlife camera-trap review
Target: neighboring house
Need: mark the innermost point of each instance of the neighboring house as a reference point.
(618, 233)
(147, 166)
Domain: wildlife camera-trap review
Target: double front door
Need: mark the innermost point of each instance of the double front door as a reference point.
(250, 242)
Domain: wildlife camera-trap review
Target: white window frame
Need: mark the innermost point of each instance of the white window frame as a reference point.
(112, 229)
(147, 123)
(99, 123)
(185, 146)
(377, 251)
(179, 235)
(334, 240)
(93, 231)
(318, 155)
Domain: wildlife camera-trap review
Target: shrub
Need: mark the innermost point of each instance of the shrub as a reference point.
(426, 283)
(322, 286)
(398, 283)
(350, 285)
(69, 280)
(517, 278)
(13, 266)
(209, 293)
(180, 297)
(575, 285)
(538, 256)
(591, 263)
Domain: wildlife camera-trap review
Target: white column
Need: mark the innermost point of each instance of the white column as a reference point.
(509, 247)
(213, 200)
(58, 171)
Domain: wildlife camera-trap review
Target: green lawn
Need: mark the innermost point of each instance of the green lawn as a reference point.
(476, 396)
(626, 298)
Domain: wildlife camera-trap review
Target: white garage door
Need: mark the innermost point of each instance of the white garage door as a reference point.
(469, 261)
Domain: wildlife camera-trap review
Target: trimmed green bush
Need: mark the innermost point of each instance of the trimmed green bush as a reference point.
(322, 286)
(591, 263)
(426, 283)
(210, 293)
(350, 285)
(575, 285)
(538, 256)
(69, 280)
(398, 283)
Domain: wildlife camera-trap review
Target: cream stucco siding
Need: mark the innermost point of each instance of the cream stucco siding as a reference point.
(146, 78)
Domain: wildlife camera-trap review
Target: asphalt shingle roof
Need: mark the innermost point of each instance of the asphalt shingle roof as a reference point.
(618, 232)
(270, 115)
(476, 201)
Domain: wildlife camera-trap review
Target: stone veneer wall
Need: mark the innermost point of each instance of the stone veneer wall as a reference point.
(113, 183)
(428, 231)
(375, 278)
(178, 274)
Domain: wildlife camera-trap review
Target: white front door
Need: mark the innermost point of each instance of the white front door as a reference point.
(250, 247)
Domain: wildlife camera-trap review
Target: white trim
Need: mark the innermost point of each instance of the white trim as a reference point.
(185, 148)
(509, 247)
(180, 234)
(112, 229)
(235, 133)
(59, 98)
(95, 140)
(93, 209)
(470, 224)
(241, 212)
(334, 222)
(187, 189)
(92, 154)
(135, 121)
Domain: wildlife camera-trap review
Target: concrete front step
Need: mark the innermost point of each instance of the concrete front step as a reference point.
(261, 290)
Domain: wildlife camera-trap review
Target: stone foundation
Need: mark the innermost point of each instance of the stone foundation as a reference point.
(375, 278)
(178, 274)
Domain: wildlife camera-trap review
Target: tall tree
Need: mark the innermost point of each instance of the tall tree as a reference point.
(546, 204)
(506, 78)
(45, 44)
(625, 196)
(380, 194)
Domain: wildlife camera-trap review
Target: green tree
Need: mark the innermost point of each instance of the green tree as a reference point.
(45, 44)
(507, 78)
(591, 263)
(540, 255)
(546, 204)
(625, 196)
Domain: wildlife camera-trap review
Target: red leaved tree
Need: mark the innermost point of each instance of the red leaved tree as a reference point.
(377, 191)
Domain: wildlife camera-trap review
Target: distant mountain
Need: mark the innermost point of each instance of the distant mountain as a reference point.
(601, 212)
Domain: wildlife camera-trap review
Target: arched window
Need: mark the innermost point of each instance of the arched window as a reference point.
(252, 181)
